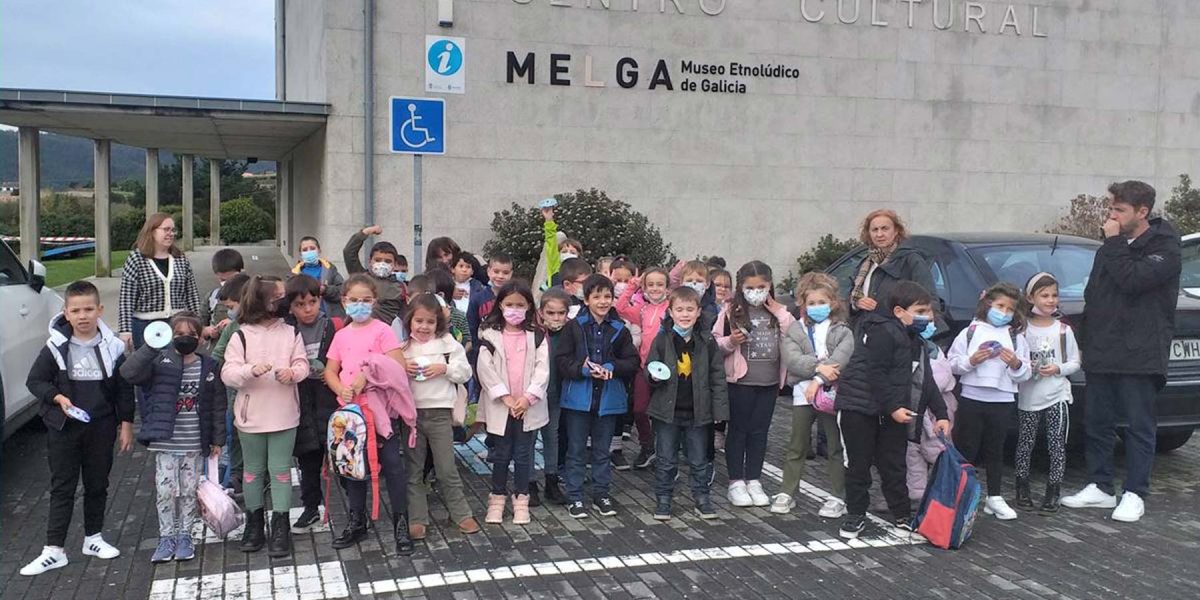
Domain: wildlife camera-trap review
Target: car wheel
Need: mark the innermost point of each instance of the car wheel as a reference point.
(1172, 441)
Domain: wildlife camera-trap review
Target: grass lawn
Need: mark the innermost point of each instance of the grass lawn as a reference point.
(62, 272)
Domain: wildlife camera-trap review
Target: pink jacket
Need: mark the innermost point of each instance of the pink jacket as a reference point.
(492, 371)
(633, 307)
(931, 446)
(387, 393)
(735, 363)
(264, 405)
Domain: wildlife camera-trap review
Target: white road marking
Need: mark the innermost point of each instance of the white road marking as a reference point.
(304, 582)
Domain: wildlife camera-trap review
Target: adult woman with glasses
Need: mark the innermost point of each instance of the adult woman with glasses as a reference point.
(157, 281)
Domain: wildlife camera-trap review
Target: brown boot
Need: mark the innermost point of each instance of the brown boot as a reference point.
(468, 526)
(495, 509)
(521, 509)
(416, 531)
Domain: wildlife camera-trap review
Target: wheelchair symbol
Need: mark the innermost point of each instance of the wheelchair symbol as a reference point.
(410, 131)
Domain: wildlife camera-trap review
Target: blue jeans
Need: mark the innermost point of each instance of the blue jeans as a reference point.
(514, 447)
(666, 439)
(1131, 396)
(551, 441)
(581, 426)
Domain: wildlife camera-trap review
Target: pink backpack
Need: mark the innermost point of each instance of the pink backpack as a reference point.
(218, 511)
(824, 398)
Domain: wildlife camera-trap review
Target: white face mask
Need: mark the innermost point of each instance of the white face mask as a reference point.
(619, 289)
(755, 296)
(567, 256)
(381, 269)
(696, 285)
(579, 292)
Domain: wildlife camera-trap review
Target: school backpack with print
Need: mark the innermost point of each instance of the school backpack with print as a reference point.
(824, 399)
(947, 514)
(352, 446)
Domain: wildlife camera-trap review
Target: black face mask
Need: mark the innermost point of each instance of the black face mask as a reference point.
(282, 310)
(185, 344)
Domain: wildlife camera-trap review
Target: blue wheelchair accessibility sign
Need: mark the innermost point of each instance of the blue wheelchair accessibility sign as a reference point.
(418, 125)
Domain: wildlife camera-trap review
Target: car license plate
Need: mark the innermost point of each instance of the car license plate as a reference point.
(1185, 349)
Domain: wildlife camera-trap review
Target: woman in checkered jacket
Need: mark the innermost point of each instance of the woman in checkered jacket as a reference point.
(157, 281)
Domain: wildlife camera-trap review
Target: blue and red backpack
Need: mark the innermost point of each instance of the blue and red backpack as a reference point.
(947, 513)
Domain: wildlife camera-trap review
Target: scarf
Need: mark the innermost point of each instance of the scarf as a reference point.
(875, 257)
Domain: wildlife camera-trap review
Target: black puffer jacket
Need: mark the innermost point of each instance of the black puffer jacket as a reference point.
(161, 373)
(879, 378)
(905, 264)
(1129, 315)
(710, 396)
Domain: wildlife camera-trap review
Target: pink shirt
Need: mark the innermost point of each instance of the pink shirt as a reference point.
(353, 344)
(514, 354)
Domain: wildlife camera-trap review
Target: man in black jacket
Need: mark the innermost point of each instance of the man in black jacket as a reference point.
(1129, 319)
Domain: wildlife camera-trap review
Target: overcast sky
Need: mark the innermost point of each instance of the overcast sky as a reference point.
(222, 48)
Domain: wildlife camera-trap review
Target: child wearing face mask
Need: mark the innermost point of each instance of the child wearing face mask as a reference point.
(326, 273)
(573, 274)
(387, 266)
(883, 392)
(183, 422)
(436, 366)
(815, 348)
(686, 400)
(514, 370)
(990, 357)
(353, 345)
(644, 303)
(749, 332)
(265, 361)
(694, 274)
(553, 316)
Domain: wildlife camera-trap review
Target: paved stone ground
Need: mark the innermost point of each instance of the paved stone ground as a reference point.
(748, 553)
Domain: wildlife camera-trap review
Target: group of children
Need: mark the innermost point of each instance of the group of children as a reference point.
(692, 358)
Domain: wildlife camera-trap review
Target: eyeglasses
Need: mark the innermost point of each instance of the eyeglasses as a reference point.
(168, 229)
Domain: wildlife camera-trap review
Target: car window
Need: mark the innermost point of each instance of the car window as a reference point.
(844, 272)
(939, 280)
(1190, 276)
(1070, 264)
(11, 272)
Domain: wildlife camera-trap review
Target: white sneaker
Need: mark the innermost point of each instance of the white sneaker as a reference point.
(1090, 497)
(1131, 509)
(995, 505)
(738, 496)
(94, 545)
(782, 504)
(52, 557)
(833, 508)
(757, 495)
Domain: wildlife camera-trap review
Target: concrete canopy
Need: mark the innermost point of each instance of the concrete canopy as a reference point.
(208, 127)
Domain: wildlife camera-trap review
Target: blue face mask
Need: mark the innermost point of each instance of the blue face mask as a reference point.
(818, 312)
(682, 331)
(920, 323)
(310, 257)
(358, 311)
(998, 318)
(929, 330)
(401, 276)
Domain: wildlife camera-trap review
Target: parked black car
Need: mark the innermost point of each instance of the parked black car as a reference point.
(963, 264)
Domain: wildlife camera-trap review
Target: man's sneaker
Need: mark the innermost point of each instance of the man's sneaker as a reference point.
(995, 505)
(904, 525)
(618, 461)
(184, 549)
(165, 551)
(576, 510)
(852, 526)
(833, 508)
(704, 506)
(719, 441)
(52, 557)
(94, 545)
(662, 512)
(782, 504)
(308, 518)
(1131, 508)
(1090, 497)
(757, 495)
(738, 496)
(604, 506)
(644, 459)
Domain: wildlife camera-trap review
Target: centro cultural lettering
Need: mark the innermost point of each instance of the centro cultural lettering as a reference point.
(711, 8)
(942, 12)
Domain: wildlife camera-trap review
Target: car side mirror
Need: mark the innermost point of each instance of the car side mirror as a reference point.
(37, 276)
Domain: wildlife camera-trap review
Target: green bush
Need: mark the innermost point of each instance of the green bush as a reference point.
(1184, 206)
(827, 250)
(1084, 218)
(242, 222)
(125, 227)
(604, 226)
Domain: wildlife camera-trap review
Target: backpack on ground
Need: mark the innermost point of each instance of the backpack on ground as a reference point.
(352, 447)
(947, 514)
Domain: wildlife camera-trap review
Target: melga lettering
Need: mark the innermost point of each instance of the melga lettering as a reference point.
(560, 71)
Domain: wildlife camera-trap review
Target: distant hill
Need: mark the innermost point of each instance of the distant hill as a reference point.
(68, 159)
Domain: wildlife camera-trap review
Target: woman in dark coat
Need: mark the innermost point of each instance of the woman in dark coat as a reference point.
(888, 262)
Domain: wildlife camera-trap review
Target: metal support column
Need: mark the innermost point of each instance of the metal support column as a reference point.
(102, 182)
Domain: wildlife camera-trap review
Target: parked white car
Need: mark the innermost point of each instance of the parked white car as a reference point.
(26, 306)
(1189, 279)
